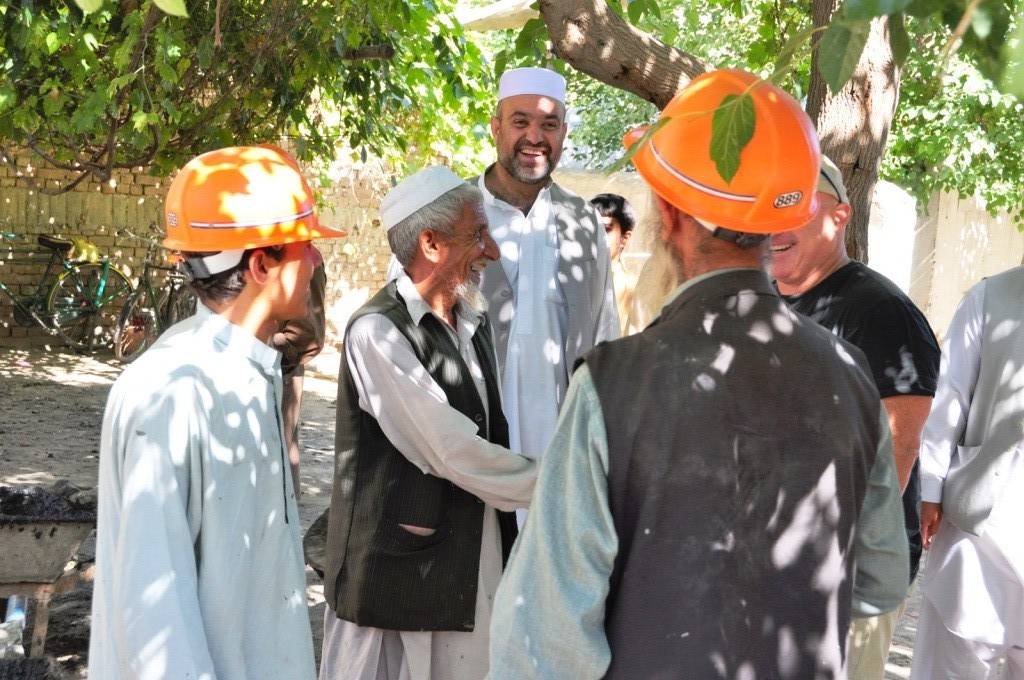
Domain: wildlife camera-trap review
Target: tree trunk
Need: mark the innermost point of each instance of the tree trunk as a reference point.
(854, 123)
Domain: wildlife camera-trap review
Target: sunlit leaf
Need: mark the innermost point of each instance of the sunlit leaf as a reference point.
(173, 7)
(840, 49)
(89, 5)
(732, 128)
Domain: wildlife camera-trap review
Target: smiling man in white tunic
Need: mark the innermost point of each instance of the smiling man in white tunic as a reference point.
(419, 524)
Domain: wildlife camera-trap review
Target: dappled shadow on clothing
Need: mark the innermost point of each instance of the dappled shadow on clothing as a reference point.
(736, 500)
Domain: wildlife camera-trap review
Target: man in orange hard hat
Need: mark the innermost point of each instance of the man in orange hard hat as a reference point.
(199, 570)
(698, 511)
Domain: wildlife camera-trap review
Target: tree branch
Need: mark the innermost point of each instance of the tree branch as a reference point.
(585, 32)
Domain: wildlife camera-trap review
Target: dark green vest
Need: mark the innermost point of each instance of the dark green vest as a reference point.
(378, 574)
(740, 439)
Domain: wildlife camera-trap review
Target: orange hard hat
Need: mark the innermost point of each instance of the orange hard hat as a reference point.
(774, 188)
(239, 198)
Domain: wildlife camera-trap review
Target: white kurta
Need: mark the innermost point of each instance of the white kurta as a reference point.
(535, 375)
(975, 584)
(199, 569)
(414, 414)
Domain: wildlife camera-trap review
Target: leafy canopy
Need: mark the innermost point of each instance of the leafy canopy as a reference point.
(106, 84)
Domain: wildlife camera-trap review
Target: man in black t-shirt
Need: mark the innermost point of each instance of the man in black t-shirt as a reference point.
(817, 278)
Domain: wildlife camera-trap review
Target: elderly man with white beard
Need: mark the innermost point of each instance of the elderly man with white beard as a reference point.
(420, 523)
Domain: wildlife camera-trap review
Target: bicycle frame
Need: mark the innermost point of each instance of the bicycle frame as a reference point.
(75, 299)
(37, 299)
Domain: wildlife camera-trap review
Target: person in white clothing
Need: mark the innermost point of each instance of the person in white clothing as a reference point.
(552, 298)
(419, 524)
(972, 477)
(198, 557)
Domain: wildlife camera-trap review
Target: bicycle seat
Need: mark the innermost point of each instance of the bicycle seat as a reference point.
(58, 244)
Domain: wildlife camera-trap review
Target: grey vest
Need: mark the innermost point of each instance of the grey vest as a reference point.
(378, 574)
(740, 439)
(995, 421)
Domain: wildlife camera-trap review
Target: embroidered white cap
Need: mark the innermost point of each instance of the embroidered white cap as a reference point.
(416, 191)
(532, 80)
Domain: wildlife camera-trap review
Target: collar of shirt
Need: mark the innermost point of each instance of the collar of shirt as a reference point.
(236, 339)
(697, 279)
(467, 319)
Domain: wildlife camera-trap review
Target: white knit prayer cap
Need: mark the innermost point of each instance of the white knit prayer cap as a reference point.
(532, 80)
(416, 191)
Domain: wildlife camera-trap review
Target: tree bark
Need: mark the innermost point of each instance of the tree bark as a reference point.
(854, 123)
(596, 41)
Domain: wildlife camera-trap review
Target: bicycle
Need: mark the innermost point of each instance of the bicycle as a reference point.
(155, 305)
(79, 295)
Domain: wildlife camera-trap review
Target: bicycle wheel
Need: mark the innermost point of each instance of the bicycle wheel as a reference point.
(181, 305)
(83, 317)
(136, 327)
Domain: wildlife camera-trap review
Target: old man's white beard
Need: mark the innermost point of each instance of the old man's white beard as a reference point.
(469, 294)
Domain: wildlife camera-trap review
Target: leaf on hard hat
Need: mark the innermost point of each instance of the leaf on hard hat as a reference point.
(732, 128)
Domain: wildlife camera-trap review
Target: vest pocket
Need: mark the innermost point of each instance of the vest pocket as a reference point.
(395, 539)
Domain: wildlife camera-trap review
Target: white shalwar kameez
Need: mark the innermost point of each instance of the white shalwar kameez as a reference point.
(973, 586)
(535, 375)
(443, 442)
(199, 568)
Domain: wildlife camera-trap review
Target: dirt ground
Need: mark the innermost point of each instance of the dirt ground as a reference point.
(51, 405)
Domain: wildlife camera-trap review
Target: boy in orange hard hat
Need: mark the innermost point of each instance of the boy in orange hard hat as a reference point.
(703, 512)
(199, 569)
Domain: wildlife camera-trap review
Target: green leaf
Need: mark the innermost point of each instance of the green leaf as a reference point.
(732, 128)
(899, 41)
(173, 7)
(89, 5)
(52, 42)
(865, 10)
(840, 49)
